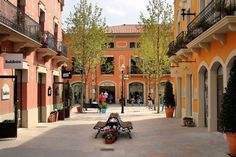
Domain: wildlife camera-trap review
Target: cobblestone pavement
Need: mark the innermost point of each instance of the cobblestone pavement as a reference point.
(152, 136)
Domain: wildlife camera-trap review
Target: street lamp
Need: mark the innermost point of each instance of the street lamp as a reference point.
(122, 68)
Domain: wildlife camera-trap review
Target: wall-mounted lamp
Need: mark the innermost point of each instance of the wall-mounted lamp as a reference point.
(184, 4)
(188, 13)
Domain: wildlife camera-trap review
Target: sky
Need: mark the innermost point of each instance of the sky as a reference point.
(116, 12)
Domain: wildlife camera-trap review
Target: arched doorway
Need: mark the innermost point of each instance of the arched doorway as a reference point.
(76, 93)
(215, 94)
(203, 97)
(206, 98)
(219, 94)
(108, 87)
(136, 91)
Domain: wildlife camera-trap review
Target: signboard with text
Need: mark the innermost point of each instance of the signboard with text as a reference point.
(13, 60)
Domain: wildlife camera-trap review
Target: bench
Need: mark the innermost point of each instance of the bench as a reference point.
(91, 105)
(114, 122)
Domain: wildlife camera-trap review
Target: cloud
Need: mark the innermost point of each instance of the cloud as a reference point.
(115, 12)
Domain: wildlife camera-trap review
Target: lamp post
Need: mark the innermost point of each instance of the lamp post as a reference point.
(122, 68)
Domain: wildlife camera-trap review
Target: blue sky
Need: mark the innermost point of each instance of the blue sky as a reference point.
(116, 12)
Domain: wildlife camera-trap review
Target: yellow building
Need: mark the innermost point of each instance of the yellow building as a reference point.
(202, 54)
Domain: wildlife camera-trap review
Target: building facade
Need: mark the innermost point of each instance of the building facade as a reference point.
(202, 54)
(120, 56)
(31, 36)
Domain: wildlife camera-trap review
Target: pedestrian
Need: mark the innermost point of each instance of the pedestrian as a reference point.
(106, 96)
(102, 98)
(150, 105)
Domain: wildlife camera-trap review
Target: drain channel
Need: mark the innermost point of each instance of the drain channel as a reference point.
(107, 149)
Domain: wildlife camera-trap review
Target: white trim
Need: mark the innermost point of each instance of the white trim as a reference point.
(212, 92)
(55, 73)
(41, 69)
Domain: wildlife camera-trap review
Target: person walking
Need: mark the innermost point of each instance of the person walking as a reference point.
(150, 105)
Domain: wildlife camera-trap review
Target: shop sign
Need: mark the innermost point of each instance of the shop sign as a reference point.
(107, 84)
(5, 92)
(66, 74)
(13, 61)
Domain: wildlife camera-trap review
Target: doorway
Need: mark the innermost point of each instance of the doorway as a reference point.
(111, 93)
(136, 91)
(219, 95)
(19, 91)
(41, 95)
(206, 98)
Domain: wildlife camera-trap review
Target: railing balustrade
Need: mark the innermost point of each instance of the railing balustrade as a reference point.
(13, 17)
(211, 14)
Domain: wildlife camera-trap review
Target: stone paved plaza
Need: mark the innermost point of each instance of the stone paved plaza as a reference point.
(152, 136)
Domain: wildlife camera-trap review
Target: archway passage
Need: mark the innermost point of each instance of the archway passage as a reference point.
(77, 92)
(219, 95)
(111, 93)
(136, 92)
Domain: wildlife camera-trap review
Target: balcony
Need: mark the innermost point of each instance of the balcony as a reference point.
(51, 48)
(177, 45)
(62, 48)
(16, 26)
(217, 18)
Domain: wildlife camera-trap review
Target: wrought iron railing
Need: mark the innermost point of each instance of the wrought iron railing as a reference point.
(61, 48)
(180, 41)
(171, 50)
(48, 40)
(13, 17)
(211, 14)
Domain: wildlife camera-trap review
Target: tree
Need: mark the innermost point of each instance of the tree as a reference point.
(155, 37)
(169, 100)
(86, 32)
(228, 112)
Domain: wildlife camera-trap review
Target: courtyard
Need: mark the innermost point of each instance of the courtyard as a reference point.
(153, 136)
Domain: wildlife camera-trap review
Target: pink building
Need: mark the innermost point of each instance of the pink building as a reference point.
(31, 49)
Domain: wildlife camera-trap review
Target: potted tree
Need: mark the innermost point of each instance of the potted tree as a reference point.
(169, 101)
(103, 107)
(228, 112)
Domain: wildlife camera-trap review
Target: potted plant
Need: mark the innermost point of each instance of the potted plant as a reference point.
(228, 112)
(103, 107)
(169, 101)
(110, 136)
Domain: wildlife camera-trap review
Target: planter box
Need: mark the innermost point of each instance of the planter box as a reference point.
(67, 112)
(53, 117)
(8, 129)
(61, 114)
(103, 110)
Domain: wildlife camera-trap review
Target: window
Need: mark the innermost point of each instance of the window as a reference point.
(110, 45)
(134, 66)
(134, 44)
(108, 65)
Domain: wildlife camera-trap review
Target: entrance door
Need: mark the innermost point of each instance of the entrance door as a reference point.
(19, 96)
(206, 98)
(40, 96)
(219, 95)
(111, 93)
(136, 91)
(59, 99)
(8, 107)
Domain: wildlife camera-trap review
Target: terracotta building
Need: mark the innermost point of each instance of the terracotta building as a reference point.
(119, 56)
(32, 49)
(202, 54)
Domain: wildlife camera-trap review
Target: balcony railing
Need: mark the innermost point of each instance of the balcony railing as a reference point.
(61, 48)
(13, 17)
(48, 40)
(180, 41)
(171, 50)
(211, 14)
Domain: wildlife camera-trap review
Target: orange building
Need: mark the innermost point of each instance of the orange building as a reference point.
(121, 53)
(31, 49)
(202, 54)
